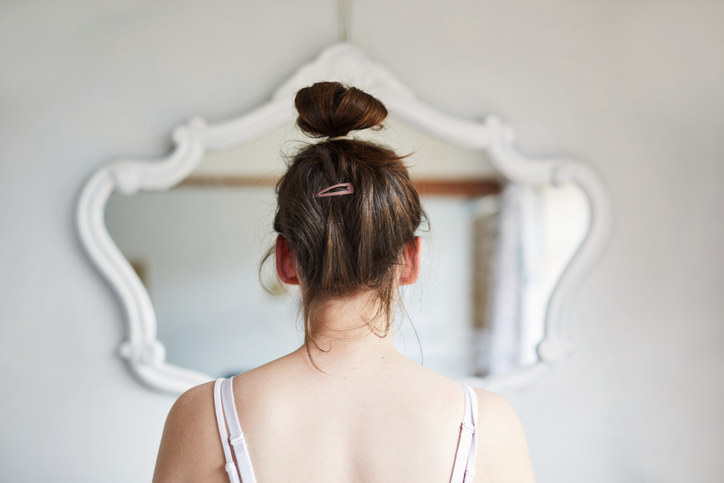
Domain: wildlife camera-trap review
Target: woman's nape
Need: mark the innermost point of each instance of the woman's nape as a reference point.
(354, 319)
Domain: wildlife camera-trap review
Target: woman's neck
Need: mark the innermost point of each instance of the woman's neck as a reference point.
(350, 331)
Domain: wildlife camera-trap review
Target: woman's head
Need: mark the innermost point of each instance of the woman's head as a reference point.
(351, 243)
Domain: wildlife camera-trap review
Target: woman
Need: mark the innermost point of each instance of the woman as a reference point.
(346, 406)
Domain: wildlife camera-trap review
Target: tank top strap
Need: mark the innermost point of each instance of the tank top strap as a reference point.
(242, 468)
(230, 466)
(464, 465)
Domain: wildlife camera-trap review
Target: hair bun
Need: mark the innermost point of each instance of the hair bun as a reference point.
(332, 109)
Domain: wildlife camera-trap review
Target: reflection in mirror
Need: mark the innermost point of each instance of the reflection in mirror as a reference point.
(492, 256)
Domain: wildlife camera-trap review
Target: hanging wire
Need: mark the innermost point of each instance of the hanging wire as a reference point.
(344, 10)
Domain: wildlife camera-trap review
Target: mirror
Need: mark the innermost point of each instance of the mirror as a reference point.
(183, 253)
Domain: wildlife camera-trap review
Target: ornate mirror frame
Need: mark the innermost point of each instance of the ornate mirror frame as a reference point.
(142, 350)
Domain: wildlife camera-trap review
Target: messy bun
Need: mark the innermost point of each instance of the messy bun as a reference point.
(345, 244)
(331, 109)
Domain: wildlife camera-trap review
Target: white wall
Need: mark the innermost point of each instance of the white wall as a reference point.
(632, 88)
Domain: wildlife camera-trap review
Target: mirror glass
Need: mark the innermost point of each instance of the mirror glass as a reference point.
(492, 255)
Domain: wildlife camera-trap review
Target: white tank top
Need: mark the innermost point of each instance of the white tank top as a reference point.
(463, 469)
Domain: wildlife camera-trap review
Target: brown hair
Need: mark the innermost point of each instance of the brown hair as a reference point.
(351, 243)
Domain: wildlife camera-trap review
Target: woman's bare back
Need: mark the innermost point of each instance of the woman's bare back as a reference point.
(376, 419)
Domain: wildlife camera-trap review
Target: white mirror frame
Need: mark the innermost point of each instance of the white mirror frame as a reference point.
(142, 350)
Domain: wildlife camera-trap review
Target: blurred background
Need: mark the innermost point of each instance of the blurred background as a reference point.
(632, 88)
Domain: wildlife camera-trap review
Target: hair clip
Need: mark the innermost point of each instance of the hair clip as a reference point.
(348, 189)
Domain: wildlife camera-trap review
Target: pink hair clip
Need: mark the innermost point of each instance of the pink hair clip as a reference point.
(348, 189)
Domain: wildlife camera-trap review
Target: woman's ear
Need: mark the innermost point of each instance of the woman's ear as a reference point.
(411, 256)
(285, 262)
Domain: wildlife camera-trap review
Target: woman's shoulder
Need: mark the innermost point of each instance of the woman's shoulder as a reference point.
(192, 398)
(192, 410)
(493, 406)
(190, 443)
(502, 452)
